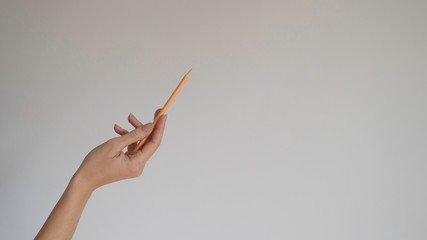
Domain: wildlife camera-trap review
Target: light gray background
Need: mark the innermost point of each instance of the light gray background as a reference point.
(301, 119)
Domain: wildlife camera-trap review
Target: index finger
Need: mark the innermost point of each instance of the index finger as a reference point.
(153, 142)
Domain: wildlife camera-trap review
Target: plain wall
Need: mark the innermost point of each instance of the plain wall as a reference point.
(301, 119)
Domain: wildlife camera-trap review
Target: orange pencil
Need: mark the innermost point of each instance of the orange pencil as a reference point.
(165, 107)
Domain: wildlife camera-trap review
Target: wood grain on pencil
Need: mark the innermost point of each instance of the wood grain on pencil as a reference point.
(165, 107)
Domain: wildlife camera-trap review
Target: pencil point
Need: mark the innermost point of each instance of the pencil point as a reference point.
(189, 72)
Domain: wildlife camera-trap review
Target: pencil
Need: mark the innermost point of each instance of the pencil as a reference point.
(165, 107)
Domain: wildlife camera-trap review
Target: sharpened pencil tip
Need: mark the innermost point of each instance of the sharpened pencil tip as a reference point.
(189, 72)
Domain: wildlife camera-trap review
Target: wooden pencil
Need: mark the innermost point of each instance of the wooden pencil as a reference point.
(165, 107)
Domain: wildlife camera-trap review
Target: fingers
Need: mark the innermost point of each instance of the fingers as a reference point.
(134, 121)
(153, 142)
(132, 136)
(159, 129)
(119, 130)
(157, 112)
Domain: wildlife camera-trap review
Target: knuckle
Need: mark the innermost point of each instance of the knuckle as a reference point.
(141, 132)
(110, 144)
(135, 133)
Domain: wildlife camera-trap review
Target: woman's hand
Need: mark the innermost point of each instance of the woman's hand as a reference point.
(107, 162)
(104, 164)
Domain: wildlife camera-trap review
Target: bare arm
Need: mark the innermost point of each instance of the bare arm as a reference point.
(105, 164)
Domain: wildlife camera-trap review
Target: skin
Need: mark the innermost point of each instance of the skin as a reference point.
(105, 164)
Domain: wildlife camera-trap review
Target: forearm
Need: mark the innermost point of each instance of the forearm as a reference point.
(63, 219)
(105, 164)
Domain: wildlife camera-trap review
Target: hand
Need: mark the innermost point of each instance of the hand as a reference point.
(107, 163)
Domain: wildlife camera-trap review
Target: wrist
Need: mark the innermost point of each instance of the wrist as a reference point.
(80, 184)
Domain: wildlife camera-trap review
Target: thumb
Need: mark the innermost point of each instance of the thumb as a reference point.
(135, 135)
